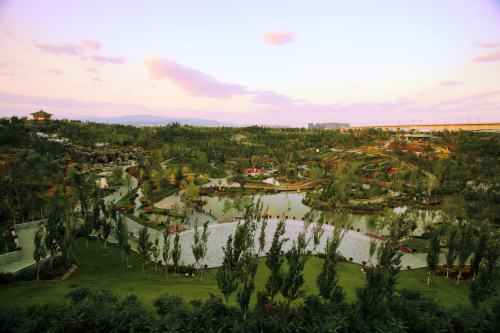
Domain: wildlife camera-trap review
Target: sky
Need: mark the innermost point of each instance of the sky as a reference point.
(253, 62)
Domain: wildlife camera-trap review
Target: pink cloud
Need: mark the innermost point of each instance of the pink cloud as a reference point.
(271, 98)
(495, 56)
(101, 60)
(91, 44)
(279, 38)
(449, 83)
(192, 81)
(488, 45)
(96, 79)
(64, 48)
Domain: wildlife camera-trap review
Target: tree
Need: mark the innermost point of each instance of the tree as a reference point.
(116, 176)
(128, 180)
(197, 246)
(107, 227)
(40, 250)
(144, 247)
(190, 193)
(155, 250)
(226, 275)
(119, 229)
(374, 299)
(227, 207)
(465, 245)
(483, 286)
(262, 235)
(86, 229)
(316, 174)
(293, 278)
(52, 237)
(121, 232)
(246, 278)
(166, 245)
(327, 280)
(275, 261)
(433, 253)
(176, 250)
(69, 233)
(451, 244)
(317, 232)
(480, 247)
(204, 242)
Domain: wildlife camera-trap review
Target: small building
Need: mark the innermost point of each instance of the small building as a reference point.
(41, 115)
(253, 171)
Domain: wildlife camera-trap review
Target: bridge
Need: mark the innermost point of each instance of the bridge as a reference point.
(494, 126)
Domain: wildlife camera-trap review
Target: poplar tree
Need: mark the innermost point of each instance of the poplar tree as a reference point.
(197, 245)
(433, 253)
(451, 244)
(275, 261)
(480, 247)
(144, 247)
(40, 251)
(107, 227)
(176, 250)
(166, 246)
(293, 279)
(328, 280)
(262, 235)
(465, 245)
(226, 275)
(483, 286)
(317, 232)
(204, 243)
(155, 250)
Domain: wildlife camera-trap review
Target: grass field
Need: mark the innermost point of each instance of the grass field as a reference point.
(102, 268)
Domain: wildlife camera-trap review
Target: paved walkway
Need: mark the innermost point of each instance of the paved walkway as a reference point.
(15, 261)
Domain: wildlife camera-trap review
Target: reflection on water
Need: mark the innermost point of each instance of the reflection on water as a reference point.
(289, 204)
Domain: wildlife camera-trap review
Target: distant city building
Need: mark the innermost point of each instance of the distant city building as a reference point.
(328, 125)
(41, 115)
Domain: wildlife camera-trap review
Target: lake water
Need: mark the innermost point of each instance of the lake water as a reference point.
(291, 204)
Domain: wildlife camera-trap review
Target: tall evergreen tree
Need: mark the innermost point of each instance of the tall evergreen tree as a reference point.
(451, 244)
(293, 278)
(465, 245)
(40, 251)
(262, 235)
(226, 275)
(144, 247)
(166, 245)
(433, 253)
(327, 280)
(317, 232)
(176, 250)
(480, 246)
(275, 261)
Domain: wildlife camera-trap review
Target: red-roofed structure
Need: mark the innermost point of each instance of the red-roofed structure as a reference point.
(253, 171)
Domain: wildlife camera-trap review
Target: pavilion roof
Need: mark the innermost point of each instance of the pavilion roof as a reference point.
(41, 113)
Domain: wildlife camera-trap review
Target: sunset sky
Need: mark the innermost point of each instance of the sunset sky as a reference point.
(253, 62)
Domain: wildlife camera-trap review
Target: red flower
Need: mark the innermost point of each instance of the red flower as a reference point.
(269, 307)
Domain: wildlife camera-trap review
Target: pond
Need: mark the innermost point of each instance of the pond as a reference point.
(291, 205)
(354, 244)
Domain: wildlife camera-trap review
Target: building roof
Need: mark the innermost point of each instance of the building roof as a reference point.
(41, 113)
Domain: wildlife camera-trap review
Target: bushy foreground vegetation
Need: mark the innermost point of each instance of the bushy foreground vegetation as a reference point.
(102, 311)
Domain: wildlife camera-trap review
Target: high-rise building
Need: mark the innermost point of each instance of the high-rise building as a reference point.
(328, 125)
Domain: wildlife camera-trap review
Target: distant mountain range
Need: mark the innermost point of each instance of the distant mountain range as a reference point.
(150, 120)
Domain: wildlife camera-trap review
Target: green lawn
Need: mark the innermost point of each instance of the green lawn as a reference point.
(103, 268)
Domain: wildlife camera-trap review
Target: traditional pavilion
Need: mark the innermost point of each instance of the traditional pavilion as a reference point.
(41, 115)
